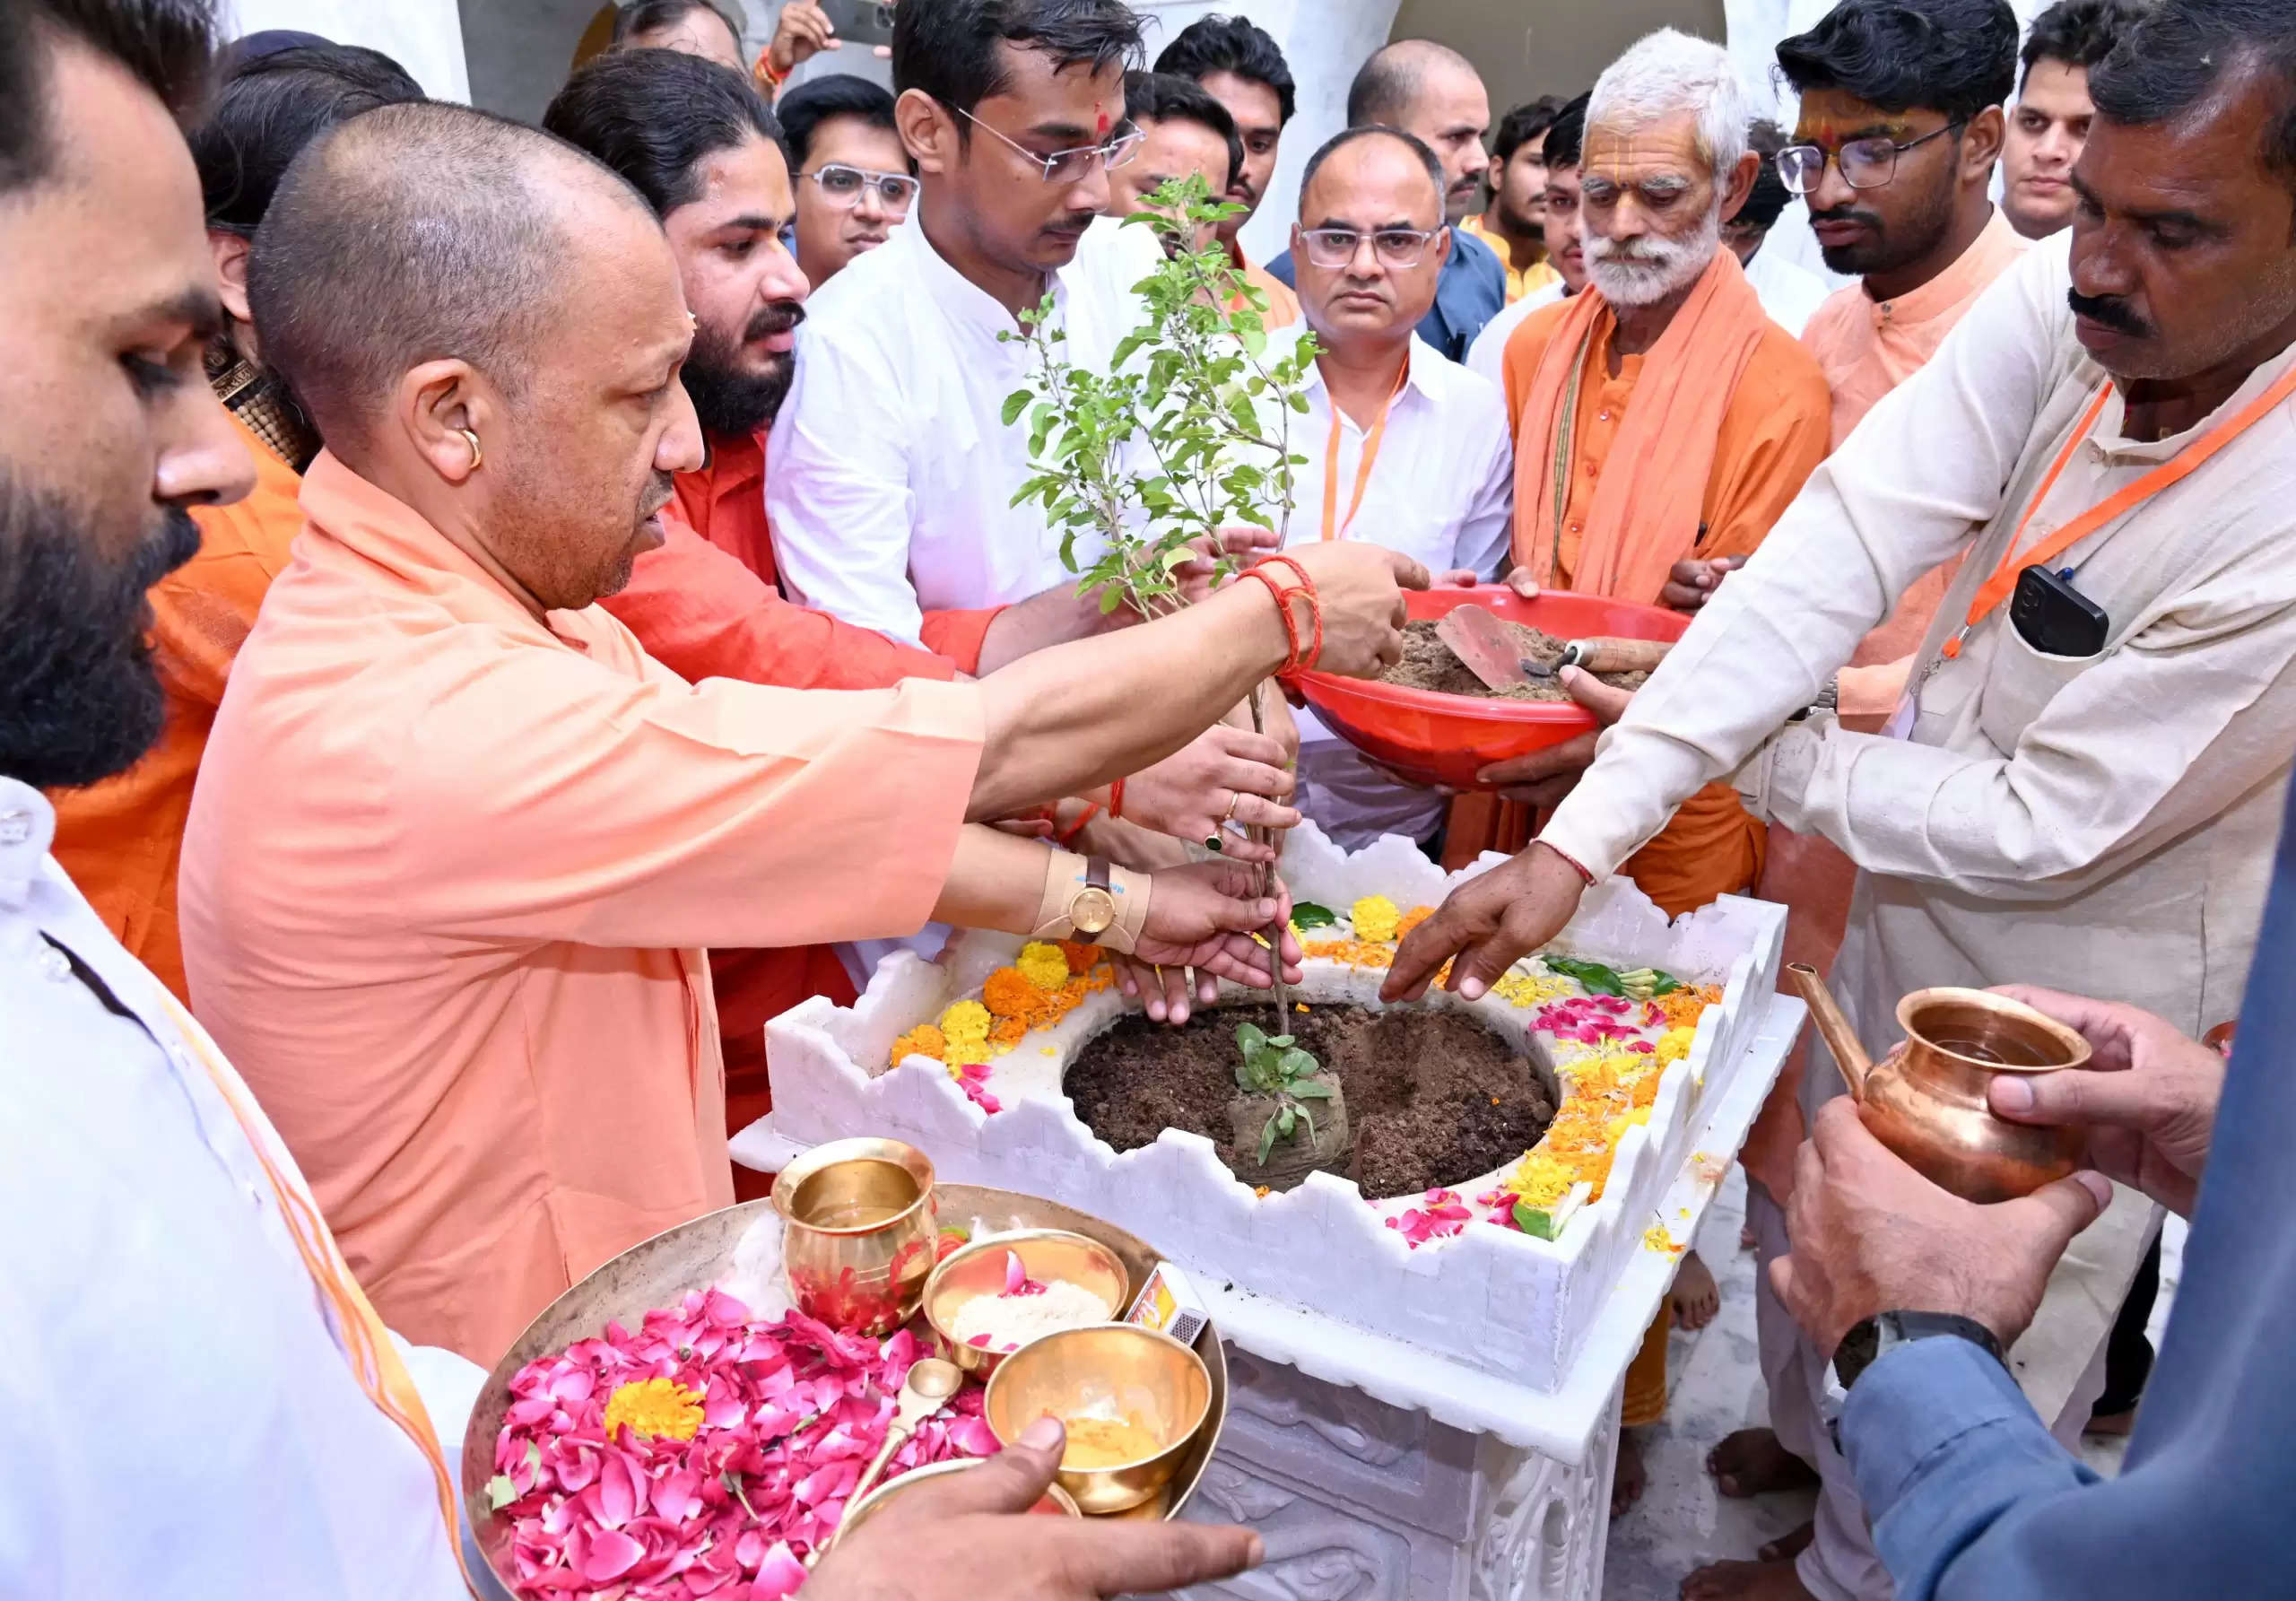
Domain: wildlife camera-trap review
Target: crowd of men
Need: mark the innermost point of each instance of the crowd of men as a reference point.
(595, 621)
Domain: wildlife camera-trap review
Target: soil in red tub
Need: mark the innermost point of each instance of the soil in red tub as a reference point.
(1434, 1097)
(1429, 664)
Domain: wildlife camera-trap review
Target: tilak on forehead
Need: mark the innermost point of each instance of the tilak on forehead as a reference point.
(1831, 133)
(1100, 122)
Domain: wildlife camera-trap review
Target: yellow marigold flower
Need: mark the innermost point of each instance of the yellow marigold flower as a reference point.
(1673, 1045)
(1376, 918)
(1531, 989)
(1655, 1239)
(923, 1040)
(1045, 965)
(1540, 1179)
(967, 1021)
(654, 1406)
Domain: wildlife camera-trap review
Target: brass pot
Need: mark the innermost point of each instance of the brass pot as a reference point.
(1926, 1100)
(859, 1241)
(1112, 1368)
(978, 1269)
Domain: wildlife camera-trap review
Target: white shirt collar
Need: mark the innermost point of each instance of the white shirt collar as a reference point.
(966, 302)
(27, 828)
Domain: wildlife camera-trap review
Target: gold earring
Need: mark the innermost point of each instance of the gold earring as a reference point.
(477, 455)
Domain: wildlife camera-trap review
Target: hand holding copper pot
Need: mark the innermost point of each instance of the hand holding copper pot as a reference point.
(1927, 1100)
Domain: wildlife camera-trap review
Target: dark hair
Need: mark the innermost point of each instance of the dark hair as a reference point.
(1347, 136)
(1566, 136)
(804, 109)
(167, 45)
(1383, 87)
(948, 48)
(270, 107)
(1233, 45)
(656, 116)
(1766, 202)
(2173, 56)
(2080, 32)
(647, 16)
(1524, 123)
(1957, 57)
(1165, 97)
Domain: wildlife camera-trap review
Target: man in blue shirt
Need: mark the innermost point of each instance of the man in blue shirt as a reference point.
(1436, 95)
(1970, 1495)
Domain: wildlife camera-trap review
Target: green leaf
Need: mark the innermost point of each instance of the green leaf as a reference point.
(1296, 1064)
(1534, 1220)
(1015, 404)
(1597, 978)
(1310, 1116)
(1307, 914)
(1250, 1037)
(1279, 1040)
(1267, 1140)
(500, 1491)
(1285, 1122)
(1310, 1089)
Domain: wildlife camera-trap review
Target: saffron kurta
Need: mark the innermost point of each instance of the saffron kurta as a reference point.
(446, 879)
(1767, 433)
(1520, 281)
(120, 839)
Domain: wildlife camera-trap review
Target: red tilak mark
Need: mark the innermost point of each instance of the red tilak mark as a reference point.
(1100, 128)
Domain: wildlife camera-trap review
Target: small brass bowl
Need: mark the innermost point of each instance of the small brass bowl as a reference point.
(1045, 1255)
(860, 1233)
(1055, 1502)
(1136, 1372)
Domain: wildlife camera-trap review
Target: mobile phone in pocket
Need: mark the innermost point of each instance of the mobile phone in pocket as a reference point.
(2054, 617)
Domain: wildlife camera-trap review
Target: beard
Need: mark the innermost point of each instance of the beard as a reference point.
(1885, 249)
(729, 399)
(83, 698)
(1652, 268)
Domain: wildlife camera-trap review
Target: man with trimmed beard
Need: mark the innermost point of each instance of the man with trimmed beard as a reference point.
(1565, 247)
(2050, 120)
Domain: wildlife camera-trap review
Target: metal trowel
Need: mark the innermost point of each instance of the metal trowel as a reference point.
(1489, 648)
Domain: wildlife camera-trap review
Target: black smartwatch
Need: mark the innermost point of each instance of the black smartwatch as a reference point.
(1868, 1342)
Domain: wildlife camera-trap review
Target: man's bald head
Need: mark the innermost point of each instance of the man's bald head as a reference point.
(416, 233)
(1433, 93)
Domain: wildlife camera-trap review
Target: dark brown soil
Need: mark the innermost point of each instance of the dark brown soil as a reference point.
(1428, 664)
(1433, 1096)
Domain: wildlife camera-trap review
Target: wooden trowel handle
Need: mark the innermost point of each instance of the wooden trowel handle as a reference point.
(1617, 655)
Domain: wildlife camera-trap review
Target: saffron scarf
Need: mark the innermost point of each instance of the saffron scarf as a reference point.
(1648, 510)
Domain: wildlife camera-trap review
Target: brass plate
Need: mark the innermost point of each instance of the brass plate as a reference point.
(695, 1256)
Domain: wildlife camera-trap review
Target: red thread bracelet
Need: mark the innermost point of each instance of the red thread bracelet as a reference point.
(1572, 863)
(1298, 662)
(1283, 611)
(1062, 836)
(1115, 798)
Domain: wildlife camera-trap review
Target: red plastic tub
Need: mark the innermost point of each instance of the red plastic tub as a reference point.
(1447, 739)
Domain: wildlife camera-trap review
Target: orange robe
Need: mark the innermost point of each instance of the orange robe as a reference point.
(120, 839)
(1865, 348)
(708, 605)
(446, 881)
(1692, 448)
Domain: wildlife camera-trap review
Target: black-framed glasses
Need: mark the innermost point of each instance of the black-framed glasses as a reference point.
(843, 186)
(1073, 166)
(1333, 249)
(1864, 163)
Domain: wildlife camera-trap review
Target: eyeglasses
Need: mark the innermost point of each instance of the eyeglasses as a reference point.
(1864, 163)
(1333, 249)
(842, 186)
(1073, 166)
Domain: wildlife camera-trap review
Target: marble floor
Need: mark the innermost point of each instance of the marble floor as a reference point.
(1680, 1521)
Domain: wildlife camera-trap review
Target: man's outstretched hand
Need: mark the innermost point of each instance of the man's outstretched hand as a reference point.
(1203, 916)
(971, 1538)
(1488, 924)
(1543, 778)
(1871, 1235)
(2148, 1097)
(1223, 775)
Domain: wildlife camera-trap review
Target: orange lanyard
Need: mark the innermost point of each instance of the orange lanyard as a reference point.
(375, 1362)
(2003, 582)
(1371, 442)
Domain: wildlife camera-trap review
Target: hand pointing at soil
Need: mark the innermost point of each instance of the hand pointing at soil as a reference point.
(1488, 924)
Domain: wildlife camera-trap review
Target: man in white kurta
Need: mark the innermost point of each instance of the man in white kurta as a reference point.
(1405, 448)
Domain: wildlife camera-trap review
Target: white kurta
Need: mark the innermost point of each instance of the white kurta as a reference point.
(1791, 294)
(183, 1422)
(1441, 490)
(889, 478)
(2100, 824)
(1487, 356)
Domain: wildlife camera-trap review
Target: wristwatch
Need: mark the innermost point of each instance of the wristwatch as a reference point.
(1828, 702)
(1092, 908)
(1868, 1342)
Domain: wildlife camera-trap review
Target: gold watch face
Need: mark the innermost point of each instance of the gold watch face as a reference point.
(1092, 911)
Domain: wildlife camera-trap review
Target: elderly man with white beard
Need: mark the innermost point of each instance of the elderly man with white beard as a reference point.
(1662, 423)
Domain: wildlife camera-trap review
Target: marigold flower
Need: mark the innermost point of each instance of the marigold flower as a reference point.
(1045, 965)
(1412, 919)
(1083, 958)
(967, 1021)
(1010, 993)
(923, 1040)
(1006, 1032)
(654, 1407)
(1376, 918)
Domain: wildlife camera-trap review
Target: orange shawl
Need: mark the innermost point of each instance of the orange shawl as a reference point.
(1647, 509)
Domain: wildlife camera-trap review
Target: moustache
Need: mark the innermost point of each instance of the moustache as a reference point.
(659, 487)
(2110, 311)
(777, 317)
(1847, 213)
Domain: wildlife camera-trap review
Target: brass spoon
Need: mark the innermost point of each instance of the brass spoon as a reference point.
(930, 1382)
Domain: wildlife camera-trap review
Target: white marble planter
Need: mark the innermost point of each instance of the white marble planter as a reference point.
(1421, 1423)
